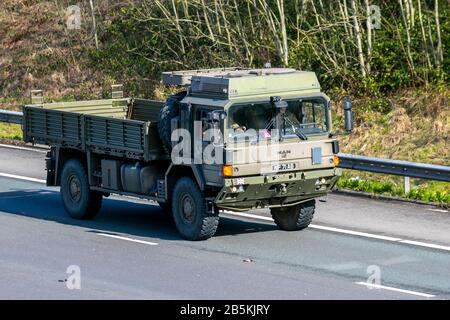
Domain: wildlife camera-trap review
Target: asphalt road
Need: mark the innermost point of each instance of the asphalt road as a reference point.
(132, 250)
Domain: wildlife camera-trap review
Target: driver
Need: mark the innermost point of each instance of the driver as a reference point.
(284, 118)
(238, 129)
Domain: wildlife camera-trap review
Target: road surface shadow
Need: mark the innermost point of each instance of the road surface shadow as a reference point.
(116, 216)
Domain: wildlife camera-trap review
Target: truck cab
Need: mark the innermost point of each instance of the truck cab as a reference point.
(270, 130)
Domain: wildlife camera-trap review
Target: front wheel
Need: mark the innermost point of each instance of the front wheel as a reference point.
(79, 200)
(189, 211)
(296, 217)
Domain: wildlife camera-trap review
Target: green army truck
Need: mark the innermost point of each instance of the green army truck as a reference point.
(231, 139)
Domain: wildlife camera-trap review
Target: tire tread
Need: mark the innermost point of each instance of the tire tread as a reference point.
(294, 218)
(94, 201)
(209, 223)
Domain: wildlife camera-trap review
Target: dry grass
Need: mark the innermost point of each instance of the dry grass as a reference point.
(415, 130)
(38, 52)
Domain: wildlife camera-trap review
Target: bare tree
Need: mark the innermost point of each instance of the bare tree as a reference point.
(369, 35)
(408, 36)
(94, 24)
(439, 52)
(422, 29)
(358, 39)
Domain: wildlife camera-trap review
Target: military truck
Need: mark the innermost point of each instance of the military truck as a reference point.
(144, 148)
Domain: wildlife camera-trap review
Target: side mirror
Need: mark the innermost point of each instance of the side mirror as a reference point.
(348, 114)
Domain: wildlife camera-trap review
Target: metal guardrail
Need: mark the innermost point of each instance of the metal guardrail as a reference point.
(11, 116)
(406, 169)
(395, 167)
(348, 161)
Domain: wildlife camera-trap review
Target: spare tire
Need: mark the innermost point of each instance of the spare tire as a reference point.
(170, 110)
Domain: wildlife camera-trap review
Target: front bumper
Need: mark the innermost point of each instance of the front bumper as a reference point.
(277, 190)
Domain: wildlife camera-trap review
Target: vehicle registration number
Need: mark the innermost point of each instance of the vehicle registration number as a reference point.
(284, 166)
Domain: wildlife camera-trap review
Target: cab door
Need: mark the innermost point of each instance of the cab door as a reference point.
(208, 143)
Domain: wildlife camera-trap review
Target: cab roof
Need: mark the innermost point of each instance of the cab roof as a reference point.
(230, 83)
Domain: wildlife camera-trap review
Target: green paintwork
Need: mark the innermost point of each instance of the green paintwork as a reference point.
(98, 126)
(261, 191)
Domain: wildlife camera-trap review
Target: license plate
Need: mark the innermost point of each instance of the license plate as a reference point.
(283, 166)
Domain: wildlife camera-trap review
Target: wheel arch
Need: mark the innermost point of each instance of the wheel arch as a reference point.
(62, 155)
(175, 172)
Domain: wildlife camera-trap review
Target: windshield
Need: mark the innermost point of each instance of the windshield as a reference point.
(301, 117)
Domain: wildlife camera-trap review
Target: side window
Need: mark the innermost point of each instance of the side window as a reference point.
(313, 114)
(202, 116)
(320, 115)
(307, 115)
(201, 121)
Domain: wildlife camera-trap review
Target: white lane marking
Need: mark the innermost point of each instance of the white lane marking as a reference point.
(247, 215)
(439, 210)
(424, 244)
(350, 232)
(21, 148)
(379, 286)
(13, 176)
(355, 233)
(352, 265)
(314, 226)
(126, 238)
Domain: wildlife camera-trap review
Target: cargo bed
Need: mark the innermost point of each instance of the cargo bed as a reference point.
(119, 127)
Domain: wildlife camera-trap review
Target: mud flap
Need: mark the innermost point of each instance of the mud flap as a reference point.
(211, 208)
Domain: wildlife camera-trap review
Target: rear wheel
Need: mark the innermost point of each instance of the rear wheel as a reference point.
(295, 217)
(189, 211)
(79, 201)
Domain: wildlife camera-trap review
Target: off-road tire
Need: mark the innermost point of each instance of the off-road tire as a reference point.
(78, 199)
(170, 110)
(295, 217)
(197, 223)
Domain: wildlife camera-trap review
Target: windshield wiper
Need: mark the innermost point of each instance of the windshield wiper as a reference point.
(300, 134)
(297, 130)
